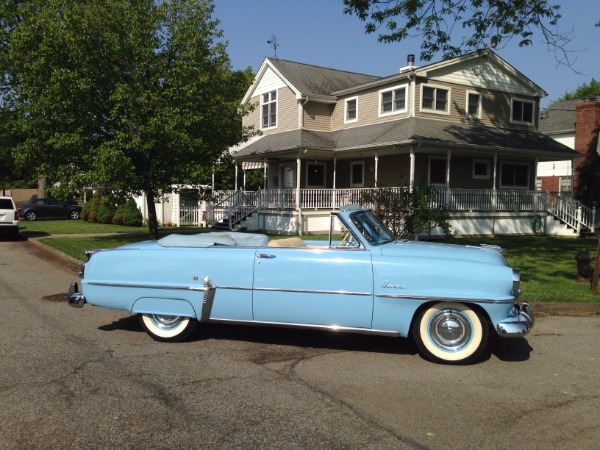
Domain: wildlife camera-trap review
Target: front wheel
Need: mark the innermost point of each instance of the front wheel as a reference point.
(30, 215)
(450, 333)
(74, 215)
(167, 328)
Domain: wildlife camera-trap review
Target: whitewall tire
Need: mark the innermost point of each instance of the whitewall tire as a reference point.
(167, 328)
(450, 333)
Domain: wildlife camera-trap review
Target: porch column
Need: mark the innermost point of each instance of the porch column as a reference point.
(573, 174)
(298, 168)
(212, 182)
(536, 161)
(236, 176)
(448, 159)
(494, 180)
(334, 199)
(265, 174)
(376, 167)
(244, 181)
(411, 183)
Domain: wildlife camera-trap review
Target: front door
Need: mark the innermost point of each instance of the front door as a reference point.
(331, 287)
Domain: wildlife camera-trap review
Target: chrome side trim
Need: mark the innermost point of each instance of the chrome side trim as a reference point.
(446, 299)
(309, 327)
(315, 291)
(147, 286)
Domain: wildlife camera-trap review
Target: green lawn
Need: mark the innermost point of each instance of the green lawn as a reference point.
(547, 264)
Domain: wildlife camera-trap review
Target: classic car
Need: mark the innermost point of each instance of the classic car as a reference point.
(447, 297)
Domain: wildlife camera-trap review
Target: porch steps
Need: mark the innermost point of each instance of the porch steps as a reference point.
(556, 227)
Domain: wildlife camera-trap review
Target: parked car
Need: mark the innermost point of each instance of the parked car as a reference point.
(447, 297)
(9, 217)
(48, 208)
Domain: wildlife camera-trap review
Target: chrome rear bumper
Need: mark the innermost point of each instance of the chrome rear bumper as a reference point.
(520, 323)
(75, 298)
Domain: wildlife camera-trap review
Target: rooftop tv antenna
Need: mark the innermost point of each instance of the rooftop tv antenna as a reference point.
(273, 43)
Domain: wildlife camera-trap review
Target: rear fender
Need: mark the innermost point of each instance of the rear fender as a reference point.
(163, 306)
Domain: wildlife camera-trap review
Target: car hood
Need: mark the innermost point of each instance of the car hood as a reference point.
(454, 252)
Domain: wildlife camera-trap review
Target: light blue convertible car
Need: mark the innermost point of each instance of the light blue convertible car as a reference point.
(448, 298)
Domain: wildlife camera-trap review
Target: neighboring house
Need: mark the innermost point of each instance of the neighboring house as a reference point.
(558, 122)
(574, 124)
(467, 126)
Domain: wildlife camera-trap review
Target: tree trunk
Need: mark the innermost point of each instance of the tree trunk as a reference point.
(152, 219)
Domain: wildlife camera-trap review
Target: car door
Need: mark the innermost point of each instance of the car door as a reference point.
(55, 209)
(328, 286)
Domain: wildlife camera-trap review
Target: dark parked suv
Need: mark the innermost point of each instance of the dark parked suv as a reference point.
(48, 208)
(9, 217)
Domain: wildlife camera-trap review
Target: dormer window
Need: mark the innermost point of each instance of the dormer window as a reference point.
(392, 100)
(522, 111)
(351, 110)
(435, 99)
(269, 109)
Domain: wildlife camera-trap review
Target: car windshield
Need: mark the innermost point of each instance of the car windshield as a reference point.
(371, 227)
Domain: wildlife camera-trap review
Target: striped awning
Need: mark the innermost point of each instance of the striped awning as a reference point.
(246, 165)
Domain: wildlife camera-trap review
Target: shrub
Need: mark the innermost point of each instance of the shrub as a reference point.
(129, 214)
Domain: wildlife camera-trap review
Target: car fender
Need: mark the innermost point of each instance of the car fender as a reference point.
(164, 306)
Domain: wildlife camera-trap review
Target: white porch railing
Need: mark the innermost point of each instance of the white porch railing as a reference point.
(239, 204)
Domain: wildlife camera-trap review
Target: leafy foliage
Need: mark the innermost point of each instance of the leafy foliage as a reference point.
(409, 213)
(586, 90)
(455, 27)
(135, 95)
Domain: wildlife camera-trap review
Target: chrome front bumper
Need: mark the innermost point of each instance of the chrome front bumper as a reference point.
(75, 298)
(519, 323)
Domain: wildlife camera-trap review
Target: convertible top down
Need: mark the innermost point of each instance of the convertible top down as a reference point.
(447, 297)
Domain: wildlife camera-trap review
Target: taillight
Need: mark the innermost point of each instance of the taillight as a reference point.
(82, 271)
(16, 215)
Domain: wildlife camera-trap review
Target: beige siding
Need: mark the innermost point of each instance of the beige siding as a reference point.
(393, 170)
(495, 106)
(368, 109)
(287, 112)
(317, 116)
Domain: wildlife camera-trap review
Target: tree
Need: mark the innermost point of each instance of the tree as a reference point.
(586, 90)
(136, 95)
(484, 23)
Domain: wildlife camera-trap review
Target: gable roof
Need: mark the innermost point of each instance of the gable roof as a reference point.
(308, 80)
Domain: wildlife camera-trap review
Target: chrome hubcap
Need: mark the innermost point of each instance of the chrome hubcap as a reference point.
(165, 322)
(450, 330)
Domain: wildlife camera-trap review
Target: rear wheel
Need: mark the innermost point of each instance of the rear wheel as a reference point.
(74, 215)
(167, 328)
(450, 333)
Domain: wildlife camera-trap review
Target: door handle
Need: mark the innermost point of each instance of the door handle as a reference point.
(265, 256)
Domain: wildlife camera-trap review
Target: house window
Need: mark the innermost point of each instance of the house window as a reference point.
(435, 99)
(357, 171)
(514, 175)
(269, 109)
(481, 169)
(437, 171)
(392, 100)
(474, 104)
(351, 113)
(315, 175)
(522, 111)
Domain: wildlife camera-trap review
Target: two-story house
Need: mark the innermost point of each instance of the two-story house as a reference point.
(467, 126)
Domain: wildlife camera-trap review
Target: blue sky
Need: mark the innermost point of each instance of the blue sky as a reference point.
(318, 32)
